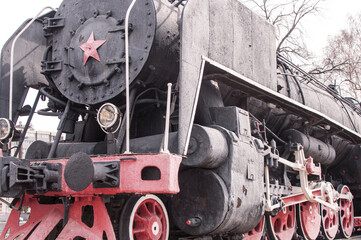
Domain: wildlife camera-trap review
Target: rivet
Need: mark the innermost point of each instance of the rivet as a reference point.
(146, 47)
(135, 69)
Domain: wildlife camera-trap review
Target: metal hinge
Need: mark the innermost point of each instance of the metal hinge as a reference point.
(51, 66)
(50, 24)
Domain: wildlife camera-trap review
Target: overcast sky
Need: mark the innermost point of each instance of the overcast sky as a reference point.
(317, 28)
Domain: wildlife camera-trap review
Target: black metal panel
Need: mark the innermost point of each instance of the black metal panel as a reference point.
(229, 33)
(29, 47)
(203, 199)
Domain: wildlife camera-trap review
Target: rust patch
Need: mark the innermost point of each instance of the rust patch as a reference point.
(244, 190)
(239, 202)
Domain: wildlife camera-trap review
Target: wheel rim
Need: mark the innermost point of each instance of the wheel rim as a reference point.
(256, 233)
(147, 219)
(309, 219)
(329, 222)
(282, 226)
(346, 214)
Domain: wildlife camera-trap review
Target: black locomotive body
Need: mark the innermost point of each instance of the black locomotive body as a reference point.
(181, 122)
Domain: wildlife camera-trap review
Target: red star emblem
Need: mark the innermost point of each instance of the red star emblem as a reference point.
(90, 48)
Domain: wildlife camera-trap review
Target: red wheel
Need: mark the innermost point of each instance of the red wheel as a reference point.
(144, 218)
(282, 226)
(345, 215)
(329, 220)
(256, 233)
(308, 220)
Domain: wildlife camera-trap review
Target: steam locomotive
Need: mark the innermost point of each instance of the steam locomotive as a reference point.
(180, 122)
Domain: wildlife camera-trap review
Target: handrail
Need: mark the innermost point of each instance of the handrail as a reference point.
(127, 150)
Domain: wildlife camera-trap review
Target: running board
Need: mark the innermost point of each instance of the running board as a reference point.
(218, 72)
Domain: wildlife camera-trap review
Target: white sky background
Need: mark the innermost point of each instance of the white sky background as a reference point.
(317, 29)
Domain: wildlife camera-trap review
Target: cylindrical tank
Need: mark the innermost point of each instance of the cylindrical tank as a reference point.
(320, 151)
(87, 61)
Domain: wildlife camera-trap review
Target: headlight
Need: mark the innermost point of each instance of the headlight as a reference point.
(6, 128)
(109, 117)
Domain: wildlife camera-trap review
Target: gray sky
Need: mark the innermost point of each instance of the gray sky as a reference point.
(317, 28)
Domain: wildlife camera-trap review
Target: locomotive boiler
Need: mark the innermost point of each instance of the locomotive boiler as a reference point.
(180, 122)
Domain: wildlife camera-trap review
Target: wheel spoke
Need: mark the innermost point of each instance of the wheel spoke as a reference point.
(152, 208)
(144, 211)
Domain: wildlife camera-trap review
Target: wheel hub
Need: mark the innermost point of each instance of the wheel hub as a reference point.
(154, 228)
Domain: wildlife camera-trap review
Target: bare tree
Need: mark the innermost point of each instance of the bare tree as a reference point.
(341, 64)
(287, 17)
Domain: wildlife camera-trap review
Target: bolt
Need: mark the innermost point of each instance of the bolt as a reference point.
(72, 33)
(109, 13)
(114, 182)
